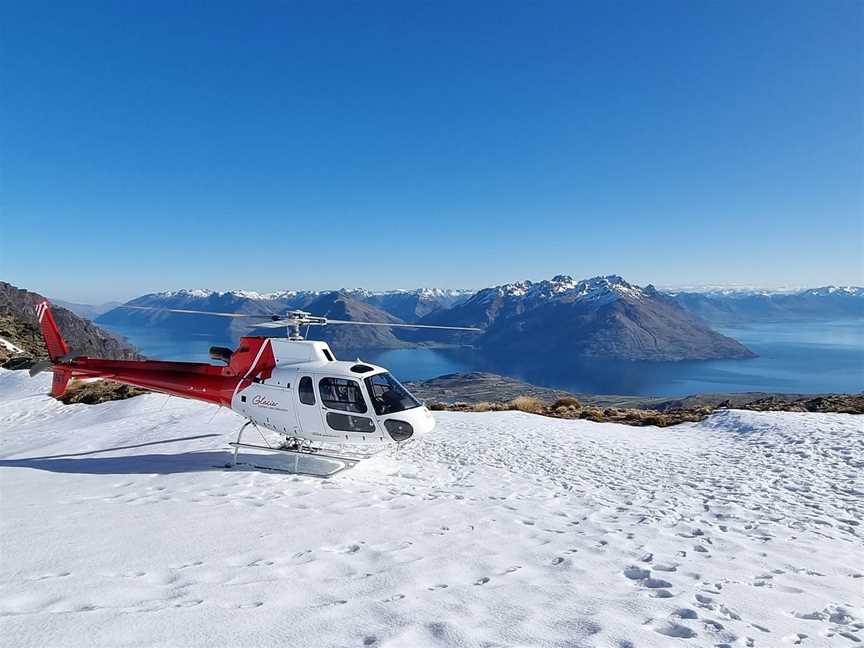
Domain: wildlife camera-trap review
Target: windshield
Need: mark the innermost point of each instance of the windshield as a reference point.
(388, 396)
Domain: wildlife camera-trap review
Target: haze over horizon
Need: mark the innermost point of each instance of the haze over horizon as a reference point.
(157, 147)
(681, 287)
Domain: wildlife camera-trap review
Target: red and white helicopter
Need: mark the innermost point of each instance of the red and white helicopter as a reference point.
(340, 411)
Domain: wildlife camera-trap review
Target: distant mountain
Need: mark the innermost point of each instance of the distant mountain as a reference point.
(599, 317)
(19, 325)
(87, 311)
(733, 307)
(344, 337)
(603, 316)
(411, 305)
(333, 304)
(204, 300)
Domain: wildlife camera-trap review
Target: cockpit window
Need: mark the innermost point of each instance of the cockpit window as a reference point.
(342, 394)
(388, 396)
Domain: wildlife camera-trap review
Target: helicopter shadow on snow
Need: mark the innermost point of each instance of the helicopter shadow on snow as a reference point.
(161, 464)
(86, 463)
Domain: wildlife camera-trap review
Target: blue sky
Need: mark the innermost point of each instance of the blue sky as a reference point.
(148, 146)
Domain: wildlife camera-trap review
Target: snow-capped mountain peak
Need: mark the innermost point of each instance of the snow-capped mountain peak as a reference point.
(824, 291)
(608, 287)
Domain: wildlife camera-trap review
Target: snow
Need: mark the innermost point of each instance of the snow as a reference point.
(6, 344)
(360, 293)
(596, 289)
(120, 528)
(751, 291)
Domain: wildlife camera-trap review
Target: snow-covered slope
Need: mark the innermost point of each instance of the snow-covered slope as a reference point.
(119, 528)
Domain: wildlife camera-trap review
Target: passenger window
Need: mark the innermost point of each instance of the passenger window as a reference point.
(348, 423)
(307, 393)
(342, 394)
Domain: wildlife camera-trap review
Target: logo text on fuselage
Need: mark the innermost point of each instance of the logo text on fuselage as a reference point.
(263, 401)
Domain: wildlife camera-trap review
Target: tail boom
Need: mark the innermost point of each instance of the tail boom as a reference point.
(252, 360)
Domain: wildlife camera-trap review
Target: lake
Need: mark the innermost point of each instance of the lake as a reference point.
(801, 357)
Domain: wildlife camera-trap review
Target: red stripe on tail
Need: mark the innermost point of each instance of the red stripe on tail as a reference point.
(53, 340)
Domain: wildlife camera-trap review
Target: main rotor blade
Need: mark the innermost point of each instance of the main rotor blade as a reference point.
(285, 322)
(199, 312)
(282, 323)
(427, 326)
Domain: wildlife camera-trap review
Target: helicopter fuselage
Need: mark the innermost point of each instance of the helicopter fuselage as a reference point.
(293, 387)
(310, 395)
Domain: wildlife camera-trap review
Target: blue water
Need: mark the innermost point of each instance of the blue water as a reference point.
(803, 357)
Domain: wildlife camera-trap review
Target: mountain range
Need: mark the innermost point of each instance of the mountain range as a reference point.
(598, 317)
(603, 317)
(737, 307)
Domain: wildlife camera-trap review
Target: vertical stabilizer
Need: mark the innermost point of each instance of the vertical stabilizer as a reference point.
(51, 334)
(60, 382)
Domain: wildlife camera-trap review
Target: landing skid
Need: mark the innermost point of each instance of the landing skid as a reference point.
(305, 456)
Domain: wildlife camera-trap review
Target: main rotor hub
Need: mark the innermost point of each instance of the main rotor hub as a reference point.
(297, 318)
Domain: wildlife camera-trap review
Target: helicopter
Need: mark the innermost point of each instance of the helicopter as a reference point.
(322, 407)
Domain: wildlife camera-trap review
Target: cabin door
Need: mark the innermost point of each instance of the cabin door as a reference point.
(308, 407)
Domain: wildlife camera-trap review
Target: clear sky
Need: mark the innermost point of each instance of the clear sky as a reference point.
(267, 145)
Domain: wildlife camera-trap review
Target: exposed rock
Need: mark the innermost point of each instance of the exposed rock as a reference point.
(840, 403)
(478, 386)
(99, 391)
(19, 325)
(483, 392)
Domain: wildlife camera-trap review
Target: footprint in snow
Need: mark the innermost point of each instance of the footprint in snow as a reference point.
(676, 630)
(636, 573)
(189, 603)
(332, 603)
(661, 593)
(49, 576)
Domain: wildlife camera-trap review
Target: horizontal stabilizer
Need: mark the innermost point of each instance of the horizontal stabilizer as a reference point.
(40, 366)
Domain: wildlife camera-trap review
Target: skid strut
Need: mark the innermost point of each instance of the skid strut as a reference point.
(301, 448)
